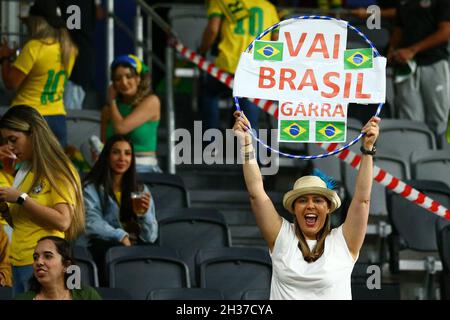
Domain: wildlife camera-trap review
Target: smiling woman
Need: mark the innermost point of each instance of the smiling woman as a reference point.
(110, 218)
(309, 260)
(133, 110)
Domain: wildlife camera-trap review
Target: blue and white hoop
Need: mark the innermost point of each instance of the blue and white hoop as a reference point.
(323, 155)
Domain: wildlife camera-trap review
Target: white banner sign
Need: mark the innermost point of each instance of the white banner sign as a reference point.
(309, 69)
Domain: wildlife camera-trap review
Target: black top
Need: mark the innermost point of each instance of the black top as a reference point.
(420, 18)
(84, 68)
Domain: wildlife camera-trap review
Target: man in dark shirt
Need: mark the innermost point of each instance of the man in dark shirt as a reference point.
(82, 78)
(420, 41)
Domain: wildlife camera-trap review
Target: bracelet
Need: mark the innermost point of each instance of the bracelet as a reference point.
(368, 152)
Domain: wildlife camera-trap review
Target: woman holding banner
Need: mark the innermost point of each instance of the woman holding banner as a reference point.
(310, 261)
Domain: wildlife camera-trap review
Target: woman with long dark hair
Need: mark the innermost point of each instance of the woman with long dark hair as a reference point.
(111, 218)
(51, 259)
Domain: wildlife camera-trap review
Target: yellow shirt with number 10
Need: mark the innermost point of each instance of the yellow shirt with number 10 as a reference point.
(43, 88)
(235, 37)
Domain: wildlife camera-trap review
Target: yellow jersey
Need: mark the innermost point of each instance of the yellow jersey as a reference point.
(6, 180)
(26, 233)
(236, 36)
(43, 87)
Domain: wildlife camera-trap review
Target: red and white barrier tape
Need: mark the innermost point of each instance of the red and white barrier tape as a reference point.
(348, 156)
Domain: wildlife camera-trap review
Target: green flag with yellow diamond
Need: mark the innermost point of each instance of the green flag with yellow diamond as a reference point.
(293, 130)
(330, 131)
(358, 59)
(268, 50)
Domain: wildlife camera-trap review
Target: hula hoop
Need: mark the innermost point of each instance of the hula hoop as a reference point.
(323, 155)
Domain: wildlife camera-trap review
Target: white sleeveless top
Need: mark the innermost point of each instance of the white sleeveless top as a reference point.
(327, 278)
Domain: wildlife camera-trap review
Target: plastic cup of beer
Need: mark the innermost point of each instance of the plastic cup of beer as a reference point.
(137, 202)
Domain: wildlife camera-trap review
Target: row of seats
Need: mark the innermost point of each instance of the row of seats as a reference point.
(141, 269)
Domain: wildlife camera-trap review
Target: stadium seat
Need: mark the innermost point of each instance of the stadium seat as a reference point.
(113, 293)
(81, 125)
(139, 269)
(89, 272)
(234, 270)
(201, 228)
(387, 291)
(261, 294)
(168, 190)
(404, 137)
(431, 165)
(6, 293)
(389, 162)
(185, 294)
(414, 233)
(443, 241)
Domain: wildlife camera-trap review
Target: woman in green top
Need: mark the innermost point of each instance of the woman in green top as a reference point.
(51, 258)
(133, 110)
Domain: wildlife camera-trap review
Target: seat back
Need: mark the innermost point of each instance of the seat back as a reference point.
(6, 293)
(234, 270)
(168, 190)
(201, 228)
(113, 293)
(413, 224)
(394, 164)
(443, 241)
(89, 271)
(82, 124)
(185, 294)
(144, 268)
(256, 294)
(404, 137)
(432, 165)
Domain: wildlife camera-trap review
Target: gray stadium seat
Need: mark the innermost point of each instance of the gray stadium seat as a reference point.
(185, 294)
(443, 241)
(234, 270)
(413, 245)
(6, 293)
(404, 137)
(168, 190)
(81, 125)
(431, 165)
(139, 269)
(83, 258)
(113, 293)
(261, 294)
(201, 229)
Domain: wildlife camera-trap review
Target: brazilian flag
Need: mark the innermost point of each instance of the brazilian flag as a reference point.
(268, 50)
(358, 59)
(330, 131)
(293, 130)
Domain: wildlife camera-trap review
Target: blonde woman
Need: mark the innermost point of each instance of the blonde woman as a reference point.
(46, 197)
(41, 69)
(309, 260)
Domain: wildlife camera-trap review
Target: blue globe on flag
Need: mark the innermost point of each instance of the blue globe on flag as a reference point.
(358, 58)
(294, 130)
(268, 51)
(330, 131)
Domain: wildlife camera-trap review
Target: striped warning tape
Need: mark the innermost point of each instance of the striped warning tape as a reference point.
(348, 156)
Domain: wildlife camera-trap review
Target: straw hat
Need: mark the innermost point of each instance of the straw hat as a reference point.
(310, 185)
